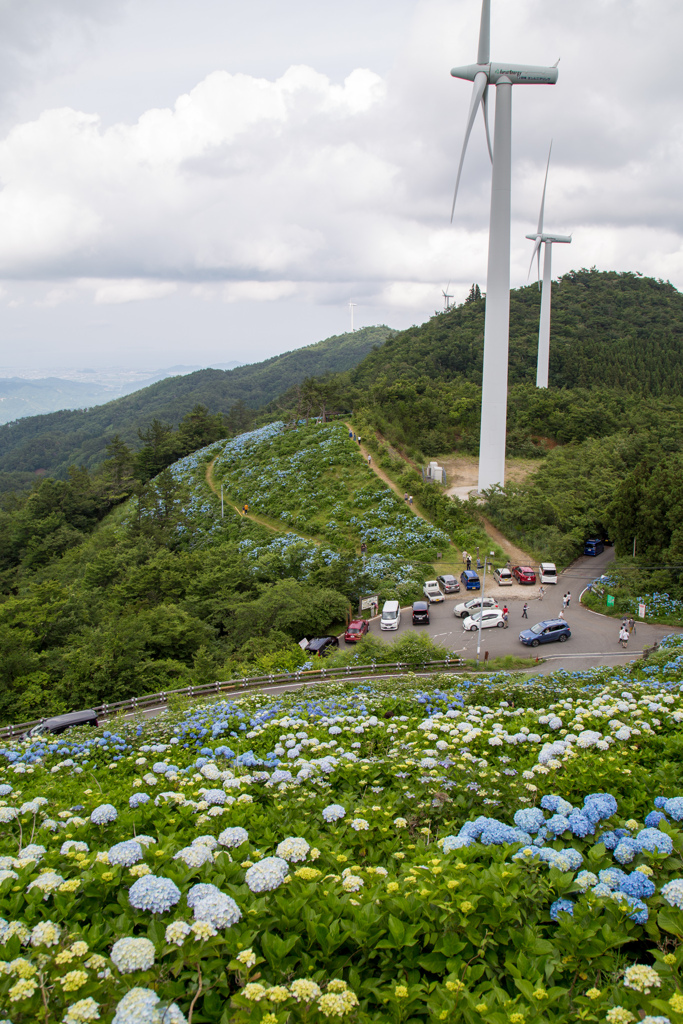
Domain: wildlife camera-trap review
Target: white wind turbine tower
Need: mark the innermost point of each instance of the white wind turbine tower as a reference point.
(540, 238)
(446, 297)
(497, 325)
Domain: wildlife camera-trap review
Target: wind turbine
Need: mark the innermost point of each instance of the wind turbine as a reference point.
(540, 238)
(497, 325)
(446, 297)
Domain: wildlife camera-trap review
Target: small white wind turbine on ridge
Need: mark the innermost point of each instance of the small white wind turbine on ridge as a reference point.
(446, 297)
(539, 239)
(497, 324)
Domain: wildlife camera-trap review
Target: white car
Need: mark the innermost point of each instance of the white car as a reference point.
(548, 572)
(490, 617)
(461, 611)
(503, 577)
(432, 591)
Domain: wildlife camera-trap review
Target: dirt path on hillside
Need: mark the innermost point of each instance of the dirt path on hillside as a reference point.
(464, 472)
(269, 524)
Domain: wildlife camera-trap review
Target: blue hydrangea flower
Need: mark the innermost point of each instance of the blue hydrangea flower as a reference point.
(219, 910)
(580, 825)
(137, 799)
(652, 840)
(660, 801)
(561, 907)
(126, 854)
(201, 891)
(266, 874)
(653, 819)
(636, 884)
(597, 806)
(154, 894)
(232, 837)
(626, 849)
(613, 877)
(672, 892)
(586, 879)
(557, 824)
(451, 843)
(103, 814)
(530, 819)
(333, 812)
(602, 890)
(640, 912)
(674, 808)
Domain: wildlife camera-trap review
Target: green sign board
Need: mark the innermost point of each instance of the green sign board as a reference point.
(610, 601)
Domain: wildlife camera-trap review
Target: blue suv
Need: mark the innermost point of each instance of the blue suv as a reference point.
(546, 632)
(470, 580)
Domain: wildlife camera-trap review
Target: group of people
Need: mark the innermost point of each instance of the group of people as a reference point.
(628, 627)
(408, 497)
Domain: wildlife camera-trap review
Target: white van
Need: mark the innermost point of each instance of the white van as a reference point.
(391, 615)
(548, 572)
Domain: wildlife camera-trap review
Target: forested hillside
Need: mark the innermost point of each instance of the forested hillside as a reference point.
(58, 440)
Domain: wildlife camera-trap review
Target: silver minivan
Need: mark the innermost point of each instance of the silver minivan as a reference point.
(391, 615)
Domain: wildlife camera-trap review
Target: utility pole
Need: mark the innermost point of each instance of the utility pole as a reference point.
(481, 610)
(221, 501)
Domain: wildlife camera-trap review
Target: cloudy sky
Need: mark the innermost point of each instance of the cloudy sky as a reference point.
(197, 183)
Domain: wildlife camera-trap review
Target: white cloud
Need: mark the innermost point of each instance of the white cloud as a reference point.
(264, 189)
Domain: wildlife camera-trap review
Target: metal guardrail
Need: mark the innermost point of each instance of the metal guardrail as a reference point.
(236, 686)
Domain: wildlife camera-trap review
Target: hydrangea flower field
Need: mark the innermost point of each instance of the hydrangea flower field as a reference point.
(505, 850)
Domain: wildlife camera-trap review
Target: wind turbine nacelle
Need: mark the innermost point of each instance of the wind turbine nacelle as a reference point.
(549, 238)
(519, 74)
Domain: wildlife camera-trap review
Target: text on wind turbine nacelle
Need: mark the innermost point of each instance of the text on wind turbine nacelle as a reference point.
(549, 238)
(519, 74)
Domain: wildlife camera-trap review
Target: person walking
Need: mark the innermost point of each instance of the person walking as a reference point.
(541, 592)
(464, 558)
(469, 561)
(359, 439)
(525, 609)
(569, 597)
(561, 614)
(245, 508)
(564, 602)
(505, 615)
(623, 636)
(369, 459)
(410, 499)
(405, 496)
(632, 626)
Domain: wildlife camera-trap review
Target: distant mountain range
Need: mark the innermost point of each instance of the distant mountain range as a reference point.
(26, 395)
(55, 441)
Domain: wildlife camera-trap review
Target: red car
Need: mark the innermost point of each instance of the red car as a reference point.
(523, 574)
(356, 630)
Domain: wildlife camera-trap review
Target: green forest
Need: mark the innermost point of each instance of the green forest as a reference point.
(118, 577)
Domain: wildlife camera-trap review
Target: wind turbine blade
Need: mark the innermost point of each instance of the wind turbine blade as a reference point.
(484, 53)
(537, 249)
(485, 108)
(480, 83)
(545, 183)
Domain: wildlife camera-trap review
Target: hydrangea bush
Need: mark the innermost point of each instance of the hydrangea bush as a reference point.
(506, 850)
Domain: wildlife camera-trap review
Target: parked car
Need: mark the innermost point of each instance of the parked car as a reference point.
(470, 580)
(594, 546)
(503, 577)
(523, 574)
(449, 584)
(548, 572)
(489, 617)
(470, 607)
(60, 723)
(420, 613)
(546, 632)
(356, 630)
(432, 591)
(322, 646)
(391, 615)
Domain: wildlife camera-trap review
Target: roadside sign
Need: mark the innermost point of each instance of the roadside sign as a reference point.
(641, 611)
(610, 601)
(372, 601)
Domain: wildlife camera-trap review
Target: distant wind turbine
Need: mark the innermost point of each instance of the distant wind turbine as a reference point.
(540, 238)
(497, 323)
(447, 297)
(352, 306)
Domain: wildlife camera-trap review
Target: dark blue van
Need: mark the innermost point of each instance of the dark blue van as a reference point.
(593, 547)
(470, 580)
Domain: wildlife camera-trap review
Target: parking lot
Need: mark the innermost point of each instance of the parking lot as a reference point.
(594, 638)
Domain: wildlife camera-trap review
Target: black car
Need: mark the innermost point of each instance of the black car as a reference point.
(61, 723)
(449, 584)
(421, 613)
(322, 646)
